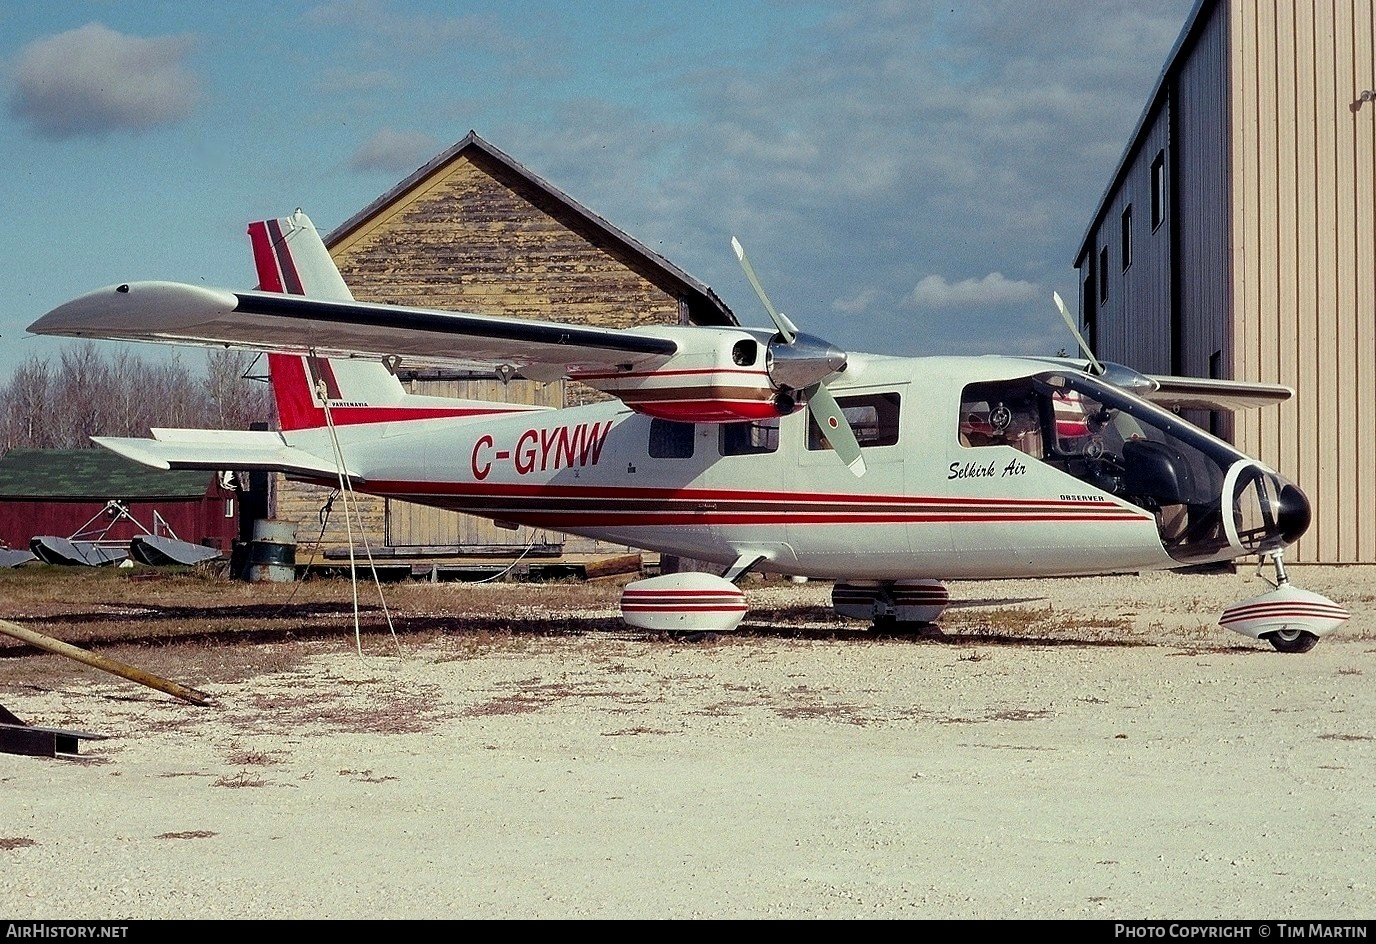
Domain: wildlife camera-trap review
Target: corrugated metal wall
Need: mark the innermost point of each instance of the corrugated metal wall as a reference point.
(1199, 204)
(1133, 303)
(1304, 234)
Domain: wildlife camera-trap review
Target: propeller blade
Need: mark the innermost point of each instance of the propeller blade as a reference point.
(832, 422)
(787, 328)
(1079, 338)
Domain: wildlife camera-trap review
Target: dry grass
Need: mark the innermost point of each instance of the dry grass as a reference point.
(201, 628)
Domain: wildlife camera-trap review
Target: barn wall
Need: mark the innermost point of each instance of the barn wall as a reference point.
(475, 237)
(200, 521)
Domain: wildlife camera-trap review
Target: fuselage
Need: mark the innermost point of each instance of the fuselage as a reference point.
(977, 467)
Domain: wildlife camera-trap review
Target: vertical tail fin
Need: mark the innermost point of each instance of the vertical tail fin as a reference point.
(291, 258)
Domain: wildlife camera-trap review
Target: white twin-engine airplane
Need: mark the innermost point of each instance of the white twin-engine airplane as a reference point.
(767, 450)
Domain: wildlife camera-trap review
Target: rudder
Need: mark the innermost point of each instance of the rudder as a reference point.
(292, 259)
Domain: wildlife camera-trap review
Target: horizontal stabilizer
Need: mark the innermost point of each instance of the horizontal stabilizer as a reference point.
(1196, 393)
(219, 450)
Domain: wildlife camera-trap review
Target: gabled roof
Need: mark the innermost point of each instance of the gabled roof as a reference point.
(91, 475)
(704, 305)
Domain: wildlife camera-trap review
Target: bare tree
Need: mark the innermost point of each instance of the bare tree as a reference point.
(235, 401)
(25, 404)
(90, 393)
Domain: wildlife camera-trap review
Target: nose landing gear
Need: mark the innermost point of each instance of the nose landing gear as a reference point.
(1290, 619)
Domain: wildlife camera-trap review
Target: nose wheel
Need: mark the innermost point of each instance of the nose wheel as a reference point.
(1291, 640)
(1290, 619)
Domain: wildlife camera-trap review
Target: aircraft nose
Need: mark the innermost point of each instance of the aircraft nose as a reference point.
(1294, 514)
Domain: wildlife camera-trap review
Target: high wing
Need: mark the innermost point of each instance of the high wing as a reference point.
(1196, 393)
(177, 313)
(1182, 393)
(678, 372)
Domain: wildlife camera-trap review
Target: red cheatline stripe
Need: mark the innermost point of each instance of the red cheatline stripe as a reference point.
(1287, 606)
(683, 594)
(291, 280)
(696, 608)
(1270, 612)
(621, 492)
(692, 395)
(682, 372)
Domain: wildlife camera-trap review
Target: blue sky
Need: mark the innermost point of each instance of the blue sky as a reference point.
(908, 177)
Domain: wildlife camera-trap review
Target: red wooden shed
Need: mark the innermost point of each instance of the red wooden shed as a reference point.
(60, 491)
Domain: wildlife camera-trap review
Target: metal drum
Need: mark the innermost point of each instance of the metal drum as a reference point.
(272, 552)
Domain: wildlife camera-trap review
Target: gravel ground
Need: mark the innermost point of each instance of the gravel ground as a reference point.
(1094, 748)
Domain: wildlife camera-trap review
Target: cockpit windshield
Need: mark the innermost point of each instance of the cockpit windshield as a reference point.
(1138, 452)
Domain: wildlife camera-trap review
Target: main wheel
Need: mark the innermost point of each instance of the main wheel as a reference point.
(1292, 640)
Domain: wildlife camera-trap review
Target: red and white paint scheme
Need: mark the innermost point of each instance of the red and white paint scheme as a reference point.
(686, 602)
(765, 450)
(1291, 619)
(901, 602)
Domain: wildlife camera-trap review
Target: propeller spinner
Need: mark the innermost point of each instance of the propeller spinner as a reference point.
(799, 366)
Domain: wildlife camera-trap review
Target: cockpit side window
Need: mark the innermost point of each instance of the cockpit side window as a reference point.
(1003, 413)
(1115, 442)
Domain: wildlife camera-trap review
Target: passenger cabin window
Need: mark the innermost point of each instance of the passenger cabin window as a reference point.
(872, 417)
(670, 440)
(750, 439)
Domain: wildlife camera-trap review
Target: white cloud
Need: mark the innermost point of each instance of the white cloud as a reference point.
(856, 304)
(935, 292)
(395, 151)
(93, 81)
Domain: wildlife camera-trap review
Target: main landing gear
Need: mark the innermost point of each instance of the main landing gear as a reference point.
(1290, 619)
(901, 606)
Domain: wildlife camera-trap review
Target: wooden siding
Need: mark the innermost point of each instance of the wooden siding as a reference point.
(471, 238)
(1304, 193)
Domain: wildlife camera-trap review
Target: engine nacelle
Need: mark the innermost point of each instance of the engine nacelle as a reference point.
(718, 376)
(721, 375)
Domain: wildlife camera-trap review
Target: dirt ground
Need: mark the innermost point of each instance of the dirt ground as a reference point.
(1091, 748)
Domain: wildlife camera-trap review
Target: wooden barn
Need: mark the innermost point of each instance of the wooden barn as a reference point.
(475, 231)
(61, 491)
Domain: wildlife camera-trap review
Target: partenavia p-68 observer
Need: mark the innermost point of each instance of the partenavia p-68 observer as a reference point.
(767, 450)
